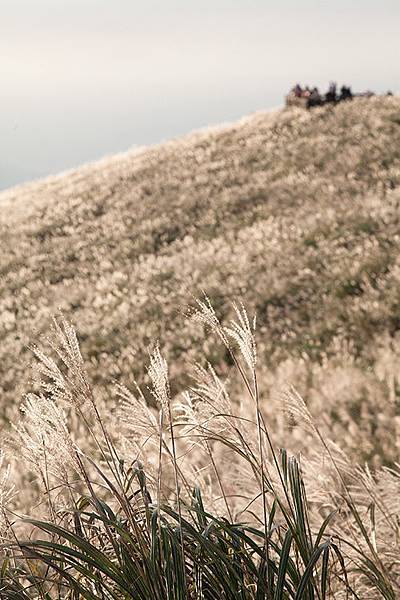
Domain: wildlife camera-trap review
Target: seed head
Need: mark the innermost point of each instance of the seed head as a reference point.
(158, 372)
(242, 332)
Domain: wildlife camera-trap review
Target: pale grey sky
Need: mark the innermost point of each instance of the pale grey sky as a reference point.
(81, 79)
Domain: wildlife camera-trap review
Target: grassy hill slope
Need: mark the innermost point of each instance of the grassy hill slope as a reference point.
(295, 212)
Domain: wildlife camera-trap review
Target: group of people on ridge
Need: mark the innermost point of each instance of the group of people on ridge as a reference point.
(313, 97)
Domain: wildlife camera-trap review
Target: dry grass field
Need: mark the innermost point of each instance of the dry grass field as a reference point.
(297, 215)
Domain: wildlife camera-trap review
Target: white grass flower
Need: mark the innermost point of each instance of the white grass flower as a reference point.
(138, 420)
(71, 386)
(212, 390)
(206, 315)
(242, 332)
(44, 440)
(295, 406)
(158, 373)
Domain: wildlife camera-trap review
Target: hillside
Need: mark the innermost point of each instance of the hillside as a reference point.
(295, 212)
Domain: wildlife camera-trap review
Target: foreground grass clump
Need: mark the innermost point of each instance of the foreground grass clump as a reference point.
(190, 499)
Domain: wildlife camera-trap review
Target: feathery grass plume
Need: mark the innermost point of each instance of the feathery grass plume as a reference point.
(158, 373)
(72, 386)
(137, 419)
(74, 389)
(210, 397)
(217, 412)
(242, 332)
(296, 408)
(44, 439)
(205, 314)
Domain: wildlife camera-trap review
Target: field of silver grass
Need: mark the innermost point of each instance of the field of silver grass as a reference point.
(187, 496)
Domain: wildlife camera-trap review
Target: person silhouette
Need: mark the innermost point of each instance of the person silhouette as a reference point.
(330, 96)
(345, 93)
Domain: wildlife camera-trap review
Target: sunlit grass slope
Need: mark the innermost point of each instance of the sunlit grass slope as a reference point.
(295, 212)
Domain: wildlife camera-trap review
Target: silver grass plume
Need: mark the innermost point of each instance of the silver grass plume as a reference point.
(71, 387)
(44, 440)
(158, 373)
(205, 408)
(139, 422)
(242, 332)
(212, 400)
(205, 314)
(296, 408)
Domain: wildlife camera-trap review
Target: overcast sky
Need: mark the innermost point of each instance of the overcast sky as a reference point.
(81, 79)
